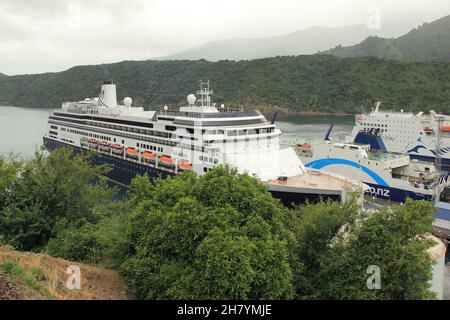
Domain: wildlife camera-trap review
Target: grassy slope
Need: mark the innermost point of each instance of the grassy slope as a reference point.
(43, 277)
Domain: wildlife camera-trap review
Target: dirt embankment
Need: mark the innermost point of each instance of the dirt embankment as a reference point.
(25, 275)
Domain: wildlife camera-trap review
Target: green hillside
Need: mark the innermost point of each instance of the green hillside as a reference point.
(429, 42)
(301, 83)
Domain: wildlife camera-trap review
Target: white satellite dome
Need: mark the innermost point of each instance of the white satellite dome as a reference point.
(128, 101)
(166, 108)
(191, 99)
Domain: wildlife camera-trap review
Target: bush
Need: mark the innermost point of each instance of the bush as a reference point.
(216, 237)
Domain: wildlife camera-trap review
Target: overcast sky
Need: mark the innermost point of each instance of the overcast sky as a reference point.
(53, 35)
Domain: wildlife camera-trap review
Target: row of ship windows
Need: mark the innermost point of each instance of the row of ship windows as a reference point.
(210, 160)
(374, 125)
(149, 147)
(183, 146)
(230, 133)
(122, 134)
(67, 141)
(91, 135)
(120, 128)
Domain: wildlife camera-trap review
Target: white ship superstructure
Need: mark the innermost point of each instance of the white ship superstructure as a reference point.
(389, 176)
(423, 136)
(197, 137)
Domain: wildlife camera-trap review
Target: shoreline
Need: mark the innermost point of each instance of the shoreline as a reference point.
(262, 109)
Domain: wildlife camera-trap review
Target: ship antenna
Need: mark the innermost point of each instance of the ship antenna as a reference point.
(438, 159)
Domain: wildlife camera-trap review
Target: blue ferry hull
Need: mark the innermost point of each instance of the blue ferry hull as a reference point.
(394, 194)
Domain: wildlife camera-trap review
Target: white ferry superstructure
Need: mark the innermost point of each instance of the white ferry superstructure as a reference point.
(425, 137)
(197, 138)
(392, 177)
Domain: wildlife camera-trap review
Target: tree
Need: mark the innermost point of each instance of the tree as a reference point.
(391, 239)
(49, 189)
(219, 236)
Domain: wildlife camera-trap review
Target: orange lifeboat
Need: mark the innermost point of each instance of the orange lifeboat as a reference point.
(185, 166)
(93, 141)
(132, 152)
(117, 146)
(428, 129)
(166, 160)
(304, 146)
(149, 155)
(445, 128)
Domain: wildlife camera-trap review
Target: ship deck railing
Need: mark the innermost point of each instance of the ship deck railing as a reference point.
(223, 113)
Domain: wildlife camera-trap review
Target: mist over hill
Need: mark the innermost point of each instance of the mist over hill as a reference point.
(428, 42)
(307, 41)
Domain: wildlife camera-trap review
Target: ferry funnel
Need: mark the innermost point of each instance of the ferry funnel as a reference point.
(327, 136)
(108, 95)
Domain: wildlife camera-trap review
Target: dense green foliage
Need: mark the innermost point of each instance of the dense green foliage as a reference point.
(216, 237)
(38, 195)
(302, 83)
(431, 41)
(219, 236)
(341, 255)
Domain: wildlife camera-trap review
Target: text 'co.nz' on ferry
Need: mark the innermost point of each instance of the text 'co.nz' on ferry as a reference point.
(423, 136)
(392, 177)
(197, 137)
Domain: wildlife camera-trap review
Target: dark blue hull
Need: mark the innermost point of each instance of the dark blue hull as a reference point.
(122, 170)
(394, 194)
(445, 163)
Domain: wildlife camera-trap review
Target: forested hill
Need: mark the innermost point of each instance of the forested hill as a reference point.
(429, 42)
(301, 83)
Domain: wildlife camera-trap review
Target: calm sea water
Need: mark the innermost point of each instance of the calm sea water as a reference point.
(21, 129)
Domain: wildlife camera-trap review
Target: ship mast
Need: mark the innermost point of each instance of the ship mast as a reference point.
(205, 94)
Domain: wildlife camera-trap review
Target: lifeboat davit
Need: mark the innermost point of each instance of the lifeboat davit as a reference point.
(445, 128)
(104, 145)
(185, 166)
(93, 143)
(166, 160)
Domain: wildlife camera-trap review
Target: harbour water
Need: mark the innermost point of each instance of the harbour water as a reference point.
(21, 129)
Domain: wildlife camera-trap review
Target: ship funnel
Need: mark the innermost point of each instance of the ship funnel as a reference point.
(327, 136)
(108, 95)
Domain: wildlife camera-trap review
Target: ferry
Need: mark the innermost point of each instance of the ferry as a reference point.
(197, 137)
(425, 137)
(392, 177)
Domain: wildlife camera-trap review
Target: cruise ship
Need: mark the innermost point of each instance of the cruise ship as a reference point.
(425, 137)
(196, 137)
